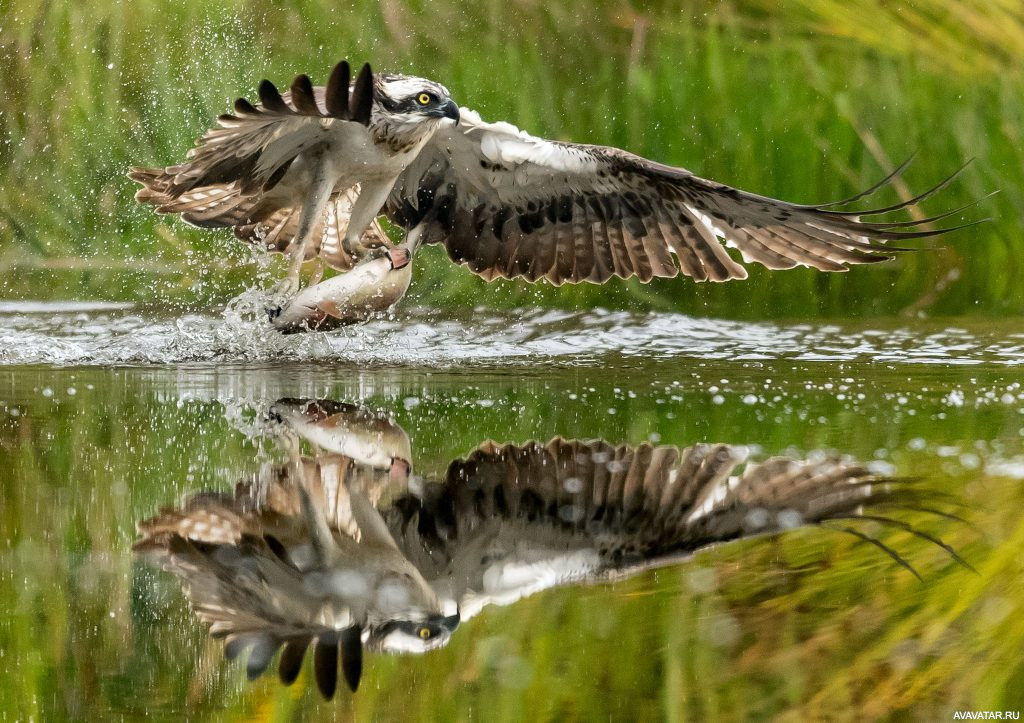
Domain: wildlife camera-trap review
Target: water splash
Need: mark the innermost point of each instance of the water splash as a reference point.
(104, 334)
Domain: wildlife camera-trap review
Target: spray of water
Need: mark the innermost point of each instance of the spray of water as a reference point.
(56, 333)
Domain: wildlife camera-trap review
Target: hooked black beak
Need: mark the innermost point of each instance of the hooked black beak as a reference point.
(451, 622)
(450, 110)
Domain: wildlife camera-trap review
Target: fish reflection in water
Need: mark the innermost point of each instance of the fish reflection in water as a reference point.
(345, 550)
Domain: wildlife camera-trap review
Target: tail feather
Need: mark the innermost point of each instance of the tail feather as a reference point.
(264, 221)
(206, 518)
(277, 231)
(210, 206)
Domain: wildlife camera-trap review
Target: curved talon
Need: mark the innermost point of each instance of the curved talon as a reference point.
(280, 297)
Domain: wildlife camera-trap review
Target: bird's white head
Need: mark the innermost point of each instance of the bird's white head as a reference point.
(412, 636)
(408, 99)
(408, 110)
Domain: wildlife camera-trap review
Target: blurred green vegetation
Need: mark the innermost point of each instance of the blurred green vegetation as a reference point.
(808, 100)
(809, 625)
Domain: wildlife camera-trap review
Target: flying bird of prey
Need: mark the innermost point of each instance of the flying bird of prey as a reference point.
(308, 171)
(345, 551)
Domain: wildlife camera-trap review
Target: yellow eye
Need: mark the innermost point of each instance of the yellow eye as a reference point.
(424, 632)
(423, 99)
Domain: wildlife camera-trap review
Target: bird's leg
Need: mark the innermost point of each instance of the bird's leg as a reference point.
(294, 451)
(312, 211)
(372, 195)
(372, 528)
(320, 535)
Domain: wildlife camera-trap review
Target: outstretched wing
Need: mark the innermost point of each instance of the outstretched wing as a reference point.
(243, 557)
(232, 177)
(255, 146)
(508, 204)
(242, 560)
(511, 520)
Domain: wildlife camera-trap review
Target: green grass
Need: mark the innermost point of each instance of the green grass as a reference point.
(809, 102)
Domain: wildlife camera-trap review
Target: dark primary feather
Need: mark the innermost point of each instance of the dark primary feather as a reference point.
(362, 96)
(302, 96)
(637, 506)
(279, 127)
(352, 656)
(271, 99)
(325, 663)
(336, 94)
(509, 205)
(291, 659)
(260, 654)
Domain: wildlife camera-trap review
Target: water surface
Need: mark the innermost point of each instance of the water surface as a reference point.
(84, 333)
(108, 415)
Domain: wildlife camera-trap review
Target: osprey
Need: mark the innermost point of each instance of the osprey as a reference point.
(307, 172)
(345, 551)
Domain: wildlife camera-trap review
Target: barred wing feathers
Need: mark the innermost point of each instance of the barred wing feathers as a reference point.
(511, 520)
(236, 556)
(231, 178)
(508, 204)
(254, 146)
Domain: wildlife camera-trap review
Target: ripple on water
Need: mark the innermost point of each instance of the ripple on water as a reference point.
(76, 333)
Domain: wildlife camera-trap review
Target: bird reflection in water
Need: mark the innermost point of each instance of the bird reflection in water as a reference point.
(344, 550)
